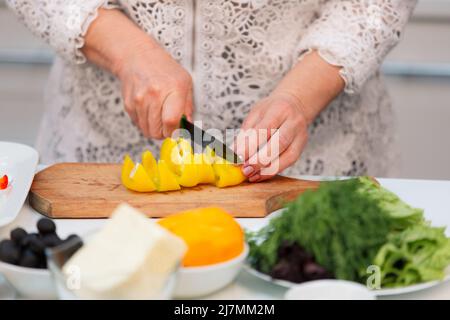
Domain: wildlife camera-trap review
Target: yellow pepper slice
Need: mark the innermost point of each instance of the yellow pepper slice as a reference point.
(189, 174)
(150, 164)
(135, 177)
(170, 154)
(178, 155)
(204, 168)
(166, 179)
(227, 174)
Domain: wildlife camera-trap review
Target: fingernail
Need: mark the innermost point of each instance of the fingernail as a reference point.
(247, 170)
(254, 178)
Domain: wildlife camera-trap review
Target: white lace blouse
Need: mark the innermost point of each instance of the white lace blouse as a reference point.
(237, 51)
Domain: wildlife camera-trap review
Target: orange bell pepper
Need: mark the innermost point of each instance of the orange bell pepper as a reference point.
(211, 234)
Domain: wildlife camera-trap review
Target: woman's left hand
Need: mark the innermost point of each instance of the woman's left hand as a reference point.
(275, 132)
(272, 136)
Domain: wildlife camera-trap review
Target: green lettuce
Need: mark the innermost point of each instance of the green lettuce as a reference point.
(417, 254)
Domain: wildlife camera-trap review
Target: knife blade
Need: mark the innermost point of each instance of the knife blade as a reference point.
(202, 139)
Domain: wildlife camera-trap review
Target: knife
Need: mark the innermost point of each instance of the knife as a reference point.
(199, 137)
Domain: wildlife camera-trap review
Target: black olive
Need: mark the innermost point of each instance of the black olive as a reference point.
(29, 259)
(51, 240)
(46, 226)
(17, 235)
(9, 252)
(43, 262)
(26, 241)
(37, 245)
(73, 237)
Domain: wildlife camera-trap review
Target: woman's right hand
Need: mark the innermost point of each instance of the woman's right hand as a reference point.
(156, 90)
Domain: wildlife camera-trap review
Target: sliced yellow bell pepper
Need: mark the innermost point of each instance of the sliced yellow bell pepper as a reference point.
(227, 174)
(170, 154)
(189, 174)
(135, 177)
(179, 166)
(150, 164)
(184, 147)
(204, 168)
(178, 155)
(166, 179)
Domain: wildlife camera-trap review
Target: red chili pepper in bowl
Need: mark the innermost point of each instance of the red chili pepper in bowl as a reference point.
(3, 182)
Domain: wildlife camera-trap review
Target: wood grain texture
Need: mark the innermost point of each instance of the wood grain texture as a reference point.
(89, 190)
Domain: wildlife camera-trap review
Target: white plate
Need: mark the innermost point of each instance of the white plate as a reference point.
(19, 163)
(381, 292)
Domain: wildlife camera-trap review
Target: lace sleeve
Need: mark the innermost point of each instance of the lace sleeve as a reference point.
(357, 35)
(61, 23)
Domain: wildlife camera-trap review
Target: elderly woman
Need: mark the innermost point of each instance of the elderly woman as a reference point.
(127, 71)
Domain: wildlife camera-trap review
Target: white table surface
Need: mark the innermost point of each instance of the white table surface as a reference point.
(433, 196)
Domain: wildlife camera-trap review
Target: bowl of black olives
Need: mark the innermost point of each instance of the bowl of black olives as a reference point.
(23, 260)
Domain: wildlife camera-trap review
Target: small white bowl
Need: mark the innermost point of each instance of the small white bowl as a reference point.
(329, 290)
(195, 282)
(29, 282)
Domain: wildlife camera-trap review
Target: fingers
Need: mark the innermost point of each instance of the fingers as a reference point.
(241, 142)
(268, 153)
(248, 141)
(257, 130)
(154, 119)
(158, 119)
(286, 159)
(141, 107)
(189, 105)
(172, 110)
(129, 105)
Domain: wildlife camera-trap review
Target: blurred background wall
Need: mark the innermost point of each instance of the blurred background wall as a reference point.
(417, 74)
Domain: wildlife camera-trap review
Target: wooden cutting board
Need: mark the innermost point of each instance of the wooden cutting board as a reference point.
(88, 190)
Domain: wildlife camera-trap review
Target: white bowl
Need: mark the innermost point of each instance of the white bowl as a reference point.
(195, 282)
(29, 282)
(329, 290)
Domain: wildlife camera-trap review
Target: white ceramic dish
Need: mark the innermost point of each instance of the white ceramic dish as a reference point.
(29, 283)
(19, 162)
(329, 290)
(195, 282)
(381, 292)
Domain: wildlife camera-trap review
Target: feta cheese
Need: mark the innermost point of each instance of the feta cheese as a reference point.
(131, 257)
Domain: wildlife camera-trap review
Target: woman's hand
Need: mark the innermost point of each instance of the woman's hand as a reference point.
(156, 90)
(272, 136)
(275, 132)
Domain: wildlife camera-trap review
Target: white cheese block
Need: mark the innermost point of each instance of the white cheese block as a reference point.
(131, 257)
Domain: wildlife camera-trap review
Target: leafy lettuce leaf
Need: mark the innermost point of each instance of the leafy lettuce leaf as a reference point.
(417, 254)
